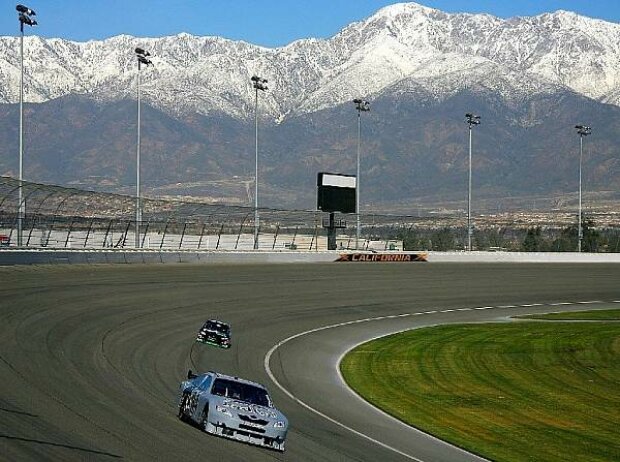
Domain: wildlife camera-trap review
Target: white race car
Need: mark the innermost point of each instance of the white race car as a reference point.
(233, 408)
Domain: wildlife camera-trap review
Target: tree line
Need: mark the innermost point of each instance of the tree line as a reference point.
(533, 239)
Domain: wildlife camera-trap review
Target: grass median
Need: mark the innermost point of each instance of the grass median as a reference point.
(593, 315)
(526, 391)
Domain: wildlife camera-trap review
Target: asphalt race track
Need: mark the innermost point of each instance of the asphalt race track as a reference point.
(91, 356)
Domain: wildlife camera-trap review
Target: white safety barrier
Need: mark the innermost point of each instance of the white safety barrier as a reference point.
(78, 256)
(522, 257)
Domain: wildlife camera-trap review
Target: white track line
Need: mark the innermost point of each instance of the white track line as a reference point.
(316, 411)
(380, 318)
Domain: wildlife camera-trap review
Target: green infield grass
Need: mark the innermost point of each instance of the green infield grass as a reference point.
(526, 391)
(594, 315)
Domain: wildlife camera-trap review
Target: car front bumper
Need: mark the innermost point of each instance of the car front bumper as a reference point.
(213, 341)
(266, 436)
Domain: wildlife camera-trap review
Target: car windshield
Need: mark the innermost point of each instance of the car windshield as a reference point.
(241, 391)
(217, 326)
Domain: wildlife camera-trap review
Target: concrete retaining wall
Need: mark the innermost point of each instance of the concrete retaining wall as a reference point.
(64, 256)
(522, 257)
(43, 257)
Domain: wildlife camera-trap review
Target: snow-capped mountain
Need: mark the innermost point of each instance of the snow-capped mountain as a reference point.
(406, 43)
(531, 79)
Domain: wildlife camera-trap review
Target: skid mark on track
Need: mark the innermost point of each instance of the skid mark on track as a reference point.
(59, 445)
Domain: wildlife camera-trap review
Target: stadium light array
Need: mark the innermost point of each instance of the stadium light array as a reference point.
(582, 131)
(25, 18)
(472, 120)
(259, 84)
(361, 105)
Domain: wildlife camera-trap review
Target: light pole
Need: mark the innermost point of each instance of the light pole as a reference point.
(24, 16)
(258, 83)
(472, 120)
(582, 130)
(361, 105)
(143, 58)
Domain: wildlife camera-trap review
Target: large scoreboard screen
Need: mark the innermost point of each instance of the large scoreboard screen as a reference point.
(336, 193)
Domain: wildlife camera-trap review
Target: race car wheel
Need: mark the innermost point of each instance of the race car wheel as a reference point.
(205, 420)
(278, 446)
(183, 407)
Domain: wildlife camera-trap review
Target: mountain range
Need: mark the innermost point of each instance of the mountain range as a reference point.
(532, 79)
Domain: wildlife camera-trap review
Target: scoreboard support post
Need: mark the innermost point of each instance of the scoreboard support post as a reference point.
(331, 225)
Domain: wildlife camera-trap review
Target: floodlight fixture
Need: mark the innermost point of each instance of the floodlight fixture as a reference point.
(25, 10)
(583, 130)
(145, 61)
(27, 20)
(142, 57)
(361, 105)
(472, 119)
(24, 17)
(258, 83)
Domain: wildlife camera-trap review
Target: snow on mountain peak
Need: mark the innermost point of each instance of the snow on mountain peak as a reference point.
(404, 42)
(398, 9)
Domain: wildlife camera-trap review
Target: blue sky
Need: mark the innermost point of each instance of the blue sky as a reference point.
(268, 22)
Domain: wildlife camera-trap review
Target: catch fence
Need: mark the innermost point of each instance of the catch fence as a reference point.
(59, 217)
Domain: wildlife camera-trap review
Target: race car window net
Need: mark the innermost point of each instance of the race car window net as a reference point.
(241, 391)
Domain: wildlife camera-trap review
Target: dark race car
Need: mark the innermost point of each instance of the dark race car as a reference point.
(214, 332)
